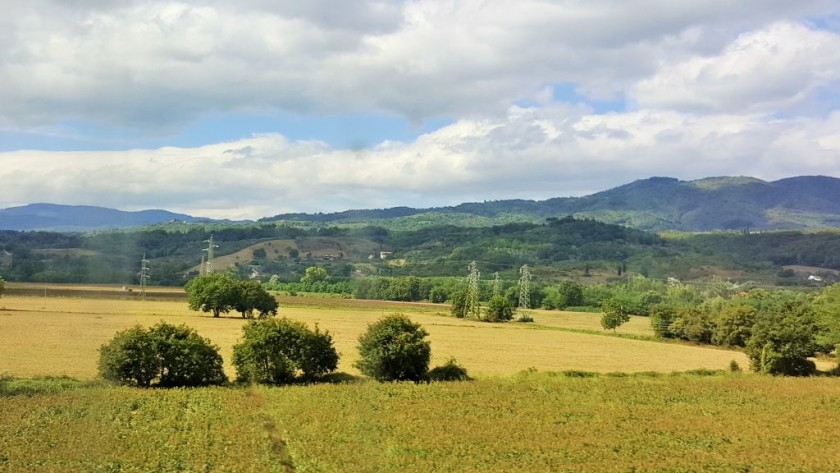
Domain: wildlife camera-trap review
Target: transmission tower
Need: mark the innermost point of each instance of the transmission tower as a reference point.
(497, 285)
(211, 251)
(473, 309)
(524, 287)
(144, 276)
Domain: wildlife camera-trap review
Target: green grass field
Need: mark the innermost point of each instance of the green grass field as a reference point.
(529, 410)
(529, 422)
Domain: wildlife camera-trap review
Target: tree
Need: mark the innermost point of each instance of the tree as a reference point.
(394, 349)
(614, 313)
(458, 299)
(314, 274)
(165, 355)
(2, 286)
(499, 309)
(253, 297)
(279, 351)
(570, 294)
(692, 323)
(733, 325)
(213, 292)
(784, 336)
(827, 308)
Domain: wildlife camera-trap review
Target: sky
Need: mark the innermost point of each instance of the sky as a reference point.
(250, 108)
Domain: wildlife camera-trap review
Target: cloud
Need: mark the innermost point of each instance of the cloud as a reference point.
(712, 88)
(769, 70)
(156, 65)
(544, 152)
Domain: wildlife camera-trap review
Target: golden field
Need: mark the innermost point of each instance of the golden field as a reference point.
(61, 336)
(511, 419)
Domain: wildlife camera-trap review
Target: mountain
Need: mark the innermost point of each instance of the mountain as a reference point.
(655, 204)
(70, 218)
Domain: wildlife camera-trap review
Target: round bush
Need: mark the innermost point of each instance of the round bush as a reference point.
(279, 351)
(164, 355)
(499, 309)
(450, 371)
(394, 349)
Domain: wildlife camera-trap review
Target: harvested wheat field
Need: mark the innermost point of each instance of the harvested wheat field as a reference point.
(61, 336)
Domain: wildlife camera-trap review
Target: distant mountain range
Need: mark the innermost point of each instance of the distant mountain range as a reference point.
(654, 204)
(71, 218)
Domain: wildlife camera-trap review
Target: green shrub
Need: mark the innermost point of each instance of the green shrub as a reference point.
(525, 318)
(394, 349)
(186, 358)
(163, 355)
(499, 309)
(130, 358)
(450, 371)
(280, 351)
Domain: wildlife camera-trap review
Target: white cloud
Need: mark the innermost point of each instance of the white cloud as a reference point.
(769, 70)
(149, 64)
(528, 152)
(716, 88)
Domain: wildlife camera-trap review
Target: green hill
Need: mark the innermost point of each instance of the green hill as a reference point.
(656, 204)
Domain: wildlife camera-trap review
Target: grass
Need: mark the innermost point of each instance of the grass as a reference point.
(530, 422)
(555, 395)
(61, 336)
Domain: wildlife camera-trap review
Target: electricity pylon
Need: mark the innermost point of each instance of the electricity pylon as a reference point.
(211, 251)
(497, 285)
(524, 287)
(144, 276)
(473, 308)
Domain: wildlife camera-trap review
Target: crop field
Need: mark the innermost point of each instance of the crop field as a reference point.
(531, 422)
(528, 410)
(57, 336)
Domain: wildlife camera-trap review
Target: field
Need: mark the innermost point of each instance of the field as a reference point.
(528, 410)
(56, 336)
(530, 423)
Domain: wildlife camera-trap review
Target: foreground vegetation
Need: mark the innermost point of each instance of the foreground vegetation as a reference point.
(529, 422)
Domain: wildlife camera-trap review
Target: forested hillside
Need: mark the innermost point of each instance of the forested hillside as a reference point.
(555, 248)
(656, 204)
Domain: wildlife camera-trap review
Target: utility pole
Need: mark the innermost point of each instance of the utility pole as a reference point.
(211, 252)
(524, 287)
(473, 309)
(144, 276)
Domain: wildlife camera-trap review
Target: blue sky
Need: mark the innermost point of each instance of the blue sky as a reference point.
(252, 108)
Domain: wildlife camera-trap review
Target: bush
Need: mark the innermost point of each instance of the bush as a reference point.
(164, 355)
(280, 351)
(130, 358)
(450, 371)
(394, 349)
(186, 358)
(499, 309)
